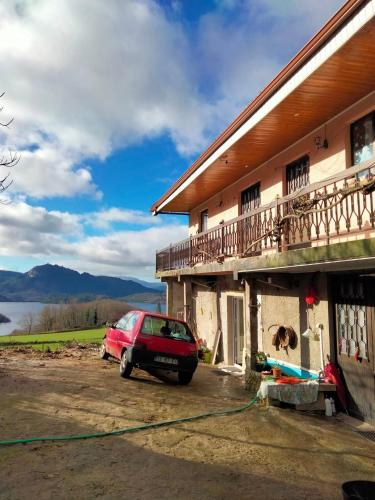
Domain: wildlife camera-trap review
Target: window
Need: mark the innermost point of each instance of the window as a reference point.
(362, 138)
(250, 198)
(127, 322)
(204, 221)
(298, 174)
(351, 317)
(166, 328)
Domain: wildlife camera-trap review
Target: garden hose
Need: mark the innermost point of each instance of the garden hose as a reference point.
(137, 428)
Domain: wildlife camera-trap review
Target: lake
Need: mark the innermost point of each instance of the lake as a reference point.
(16, 310)
(147, 307)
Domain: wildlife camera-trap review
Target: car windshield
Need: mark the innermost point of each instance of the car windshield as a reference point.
(168, 328)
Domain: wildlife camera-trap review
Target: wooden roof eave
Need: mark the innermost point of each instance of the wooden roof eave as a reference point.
(326, 33)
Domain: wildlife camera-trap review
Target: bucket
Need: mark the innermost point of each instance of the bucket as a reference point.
(276, 372)
(358, 490)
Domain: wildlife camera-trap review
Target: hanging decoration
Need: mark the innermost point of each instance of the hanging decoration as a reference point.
(311, 298)
(284, 338)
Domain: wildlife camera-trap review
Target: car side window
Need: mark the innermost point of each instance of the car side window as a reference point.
(132, 321)
(123, 323)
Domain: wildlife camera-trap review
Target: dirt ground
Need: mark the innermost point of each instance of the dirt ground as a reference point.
(263, 453)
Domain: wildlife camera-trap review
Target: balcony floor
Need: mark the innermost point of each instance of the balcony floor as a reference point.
(350, 255)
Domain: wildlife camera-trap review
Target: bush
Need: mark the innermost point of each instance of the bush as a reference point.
(207, 357)
(252, 380)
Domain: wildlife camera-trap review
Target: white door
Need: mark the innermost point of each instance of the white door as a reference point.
(237, 327)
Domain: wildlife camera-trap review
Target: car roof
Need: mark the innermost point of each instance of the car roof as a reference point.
(156, 315)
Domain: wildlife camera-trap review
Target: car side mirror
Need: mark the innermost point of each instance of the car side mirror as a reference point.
(110, 325)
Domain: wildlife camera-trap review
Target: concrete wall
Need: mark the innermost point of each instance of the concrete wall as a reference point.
(225, 205)
(175, 298)
(210, 313)
(287, 307)
(205, 314)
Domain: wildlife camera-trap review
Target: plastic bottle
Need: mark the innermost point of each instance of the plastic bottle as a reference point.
(328, 406)
(332, 401)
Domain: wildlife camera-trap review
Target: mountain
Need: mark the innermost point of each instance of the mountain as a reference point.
(53, 283)
(156, 285)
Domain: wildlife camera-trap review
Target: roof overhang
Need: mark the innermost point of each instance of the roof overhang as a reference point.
(332, 72)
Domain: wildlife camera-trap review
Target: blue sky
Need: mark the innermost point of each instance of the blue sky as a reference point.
(111, 103)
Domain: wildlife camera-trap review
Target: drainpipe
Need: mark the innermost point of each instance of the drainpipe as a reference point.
(320, 330)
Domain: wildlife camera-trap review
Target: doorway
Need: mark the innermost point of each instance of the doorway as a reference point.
(236, 328)
(354, 306)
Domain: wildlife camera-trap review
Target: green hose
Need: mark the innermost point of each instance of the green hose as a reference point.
(137, 428)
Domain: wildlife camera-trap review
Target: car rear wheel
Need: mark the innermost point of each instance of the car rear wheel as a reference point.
(184, 378)
(103, 354)
(125, 366)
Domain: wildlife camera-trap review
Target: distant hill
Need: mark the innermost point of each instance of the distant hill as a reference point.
(53, 283)
(156, 285)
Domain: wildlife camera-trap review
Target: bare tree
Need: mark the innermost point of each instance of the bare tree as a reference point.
(8, 160)
(27, 322)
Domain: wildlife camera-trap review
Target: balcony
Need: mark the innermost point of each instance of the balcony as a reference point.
(338, 209)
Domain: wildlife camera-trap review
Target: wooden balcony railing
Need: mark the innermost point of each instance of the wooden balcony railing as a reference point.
(319, 214)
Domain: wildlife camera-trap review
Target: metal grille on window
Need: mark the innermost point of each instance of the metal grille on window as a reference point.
(250, 227)
(298, 174)
(362, 138)
(351, 318)
(250, 198)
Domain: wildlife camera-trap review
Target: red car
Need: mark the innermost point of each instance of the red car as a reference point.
(151, 341)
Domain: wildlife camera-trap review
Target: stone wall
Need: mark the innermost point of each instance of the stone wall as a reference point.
(288, 307)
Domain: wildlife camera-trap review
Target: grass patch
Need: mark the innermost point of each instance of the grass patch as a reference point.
(53, 341)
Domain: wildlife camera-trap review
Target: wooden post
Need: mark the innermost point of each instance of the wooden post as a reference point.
(222, 250)
(187, 299)
(251, 299)
(169, 304)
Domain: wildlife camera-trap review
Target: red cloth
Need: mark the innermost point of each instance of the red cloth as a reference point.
(289, 380)
(333, 376)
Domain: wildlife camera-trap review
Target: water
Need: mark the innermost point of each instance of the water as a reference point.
(147, 307)
(15, 312)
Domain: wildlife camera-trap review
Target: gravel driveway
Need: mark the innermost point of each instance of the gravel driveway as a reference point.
(263, 453)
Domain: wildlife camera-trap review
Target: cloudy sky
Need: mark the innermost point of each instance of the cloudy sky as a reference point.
(112, 100)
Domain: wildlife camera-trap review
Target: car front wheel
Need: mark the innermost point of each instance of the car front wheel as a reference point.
(103, 354)
(184, 378)
(125, 366)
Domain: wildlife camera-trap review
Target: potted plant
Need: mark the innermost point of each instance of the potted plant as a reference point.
(260, 361)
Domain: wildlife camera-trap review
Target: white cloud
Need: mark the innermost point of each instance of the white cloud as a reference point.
(84, 78)
(105, 218)
(59, 237)
(244, 43)
(19, 216)
(127, 249)
(51, 171)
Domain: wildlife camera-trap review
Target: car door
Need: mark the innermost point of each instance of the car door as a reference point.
(114, 334)
(111, 339)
